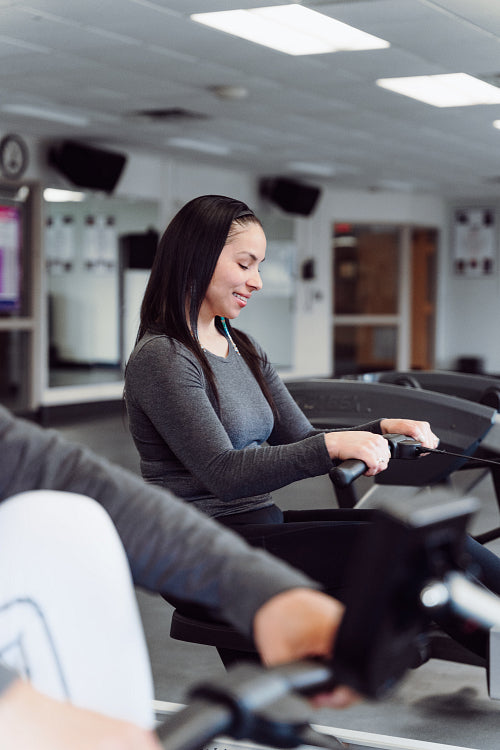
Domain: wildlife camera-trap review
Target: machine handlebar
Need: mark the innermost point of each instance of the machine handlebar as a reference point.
(400, 446)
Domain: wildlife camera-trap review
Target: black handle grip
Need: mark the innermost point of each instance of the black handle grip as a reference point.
(249, 701)
(346, 472)
(400, 446)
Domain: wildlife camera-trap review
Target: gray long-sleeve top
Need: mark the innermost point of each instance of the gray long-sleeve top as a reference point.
(171, 547)
(225, 461)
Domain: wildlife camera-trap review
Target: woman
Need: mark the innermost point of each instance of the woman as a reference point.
(210, 417)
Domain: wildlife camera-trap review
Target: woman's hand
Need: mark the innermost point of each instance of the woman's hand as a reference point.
(298, 624)
(420, 431)
(368, 447)
(374, 449)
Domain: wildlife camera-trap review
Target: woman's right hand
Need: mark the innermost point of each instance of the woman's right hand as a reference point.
(368, 447)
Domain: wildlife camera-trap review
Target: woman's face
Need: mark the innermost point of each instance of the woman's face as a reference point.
(236, 274)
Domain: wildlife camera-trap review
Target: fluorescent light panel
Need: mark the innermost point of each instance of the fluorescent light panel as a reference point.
(320, 170)
(449, 90)
(43, 113)
(54, 195)
(205, 147)
(292, 29)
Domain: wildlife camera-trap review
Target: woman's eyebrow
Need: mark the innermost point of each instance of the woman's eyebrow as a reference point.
(252, 256)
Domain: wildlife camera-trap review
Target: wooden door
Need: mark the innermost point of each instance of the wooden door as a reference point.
(423, 298)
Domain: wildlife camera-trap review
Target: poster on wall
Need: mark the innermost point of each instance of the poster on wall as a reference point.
(100, 245)
(10, 259)
(474, 242)
(60, 244)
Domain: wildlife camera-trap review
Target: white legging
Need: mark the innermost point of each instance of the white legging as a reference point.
(69, 620)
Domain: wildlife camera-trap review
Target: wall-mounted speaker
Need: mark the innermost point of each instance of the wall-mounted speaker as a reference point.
(86, 166)
(138, 250)
(293, 197)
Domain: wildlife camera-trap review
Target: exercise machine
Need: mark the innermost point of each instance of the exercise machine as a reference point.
(233, 647)
(469, 433)
(415, 557)
(482, 389)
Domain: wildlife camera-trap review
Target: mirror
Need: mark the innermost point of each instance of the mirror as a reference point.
(98, 252)
(97, 255)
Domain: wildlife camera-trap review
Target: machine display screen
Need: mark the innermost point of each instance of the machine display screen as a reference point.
(10, 258)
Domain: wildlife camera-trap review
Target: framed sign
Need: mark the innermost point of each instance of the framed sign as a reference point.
(474, 241)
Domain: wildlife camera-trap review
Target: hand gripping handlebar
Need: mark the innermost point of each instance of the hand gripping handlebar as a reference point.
(400, 446)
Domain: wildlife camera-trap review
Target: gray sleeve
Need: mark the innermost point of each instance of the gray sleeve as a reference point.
(172, 548)
(175, 400)
(7, 677)
(293, 424)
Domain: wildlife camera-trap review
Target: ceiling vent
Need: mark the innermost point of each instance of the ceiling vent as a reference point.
(170, 114)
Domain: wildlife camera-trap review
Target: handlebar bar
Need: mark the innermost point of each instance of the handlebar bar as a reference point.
(250, 702)
(400, 446)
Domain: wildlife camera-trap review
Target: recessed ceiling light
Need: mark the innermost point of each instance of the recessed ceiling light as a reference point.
(449, 90)
(496, 124)
(206, 147)
(54, 195)
(45, 113)
(292, 29)
(231, 93)
(320, 170)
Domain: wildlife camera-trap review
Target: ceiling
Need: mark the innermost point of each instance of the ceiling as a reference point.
(108, 61)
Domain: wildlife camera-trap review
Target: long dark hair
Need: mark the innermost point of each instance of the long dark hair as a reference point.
(183, 268)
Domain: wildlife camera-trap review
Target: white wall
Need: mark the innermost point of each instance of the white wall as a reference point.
(467, 309)
(172, 183)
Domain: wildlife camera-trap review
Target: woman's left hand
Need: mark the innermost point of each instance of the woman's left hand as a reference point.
(420, 431)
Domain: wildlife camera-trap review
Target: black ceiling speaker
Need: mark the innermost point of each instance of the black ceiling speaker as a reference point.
(139, 249)
(293, 197)
(86, 166)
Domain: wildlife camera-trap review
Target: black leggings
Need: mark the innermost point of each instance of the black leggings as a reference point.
(317, 542)
(320, 542)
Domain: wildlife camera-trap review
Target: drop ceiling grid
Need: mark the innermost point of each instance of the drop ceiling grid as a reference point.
(313, 108)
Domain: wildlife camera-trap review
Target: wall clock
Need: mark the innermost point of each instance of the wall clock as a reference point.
(13, 156)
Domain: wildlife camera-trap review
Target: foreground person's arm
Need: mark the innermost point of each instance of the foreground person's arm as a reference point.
(172, 548)
(297, 623)
(31, 720)
(300, 624)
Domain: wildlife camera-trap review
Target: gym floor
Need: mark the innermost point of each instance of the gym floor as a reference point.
(441, 703)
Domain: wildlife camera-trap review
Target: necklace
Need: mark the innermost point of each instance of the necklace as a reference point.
(230, 338)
